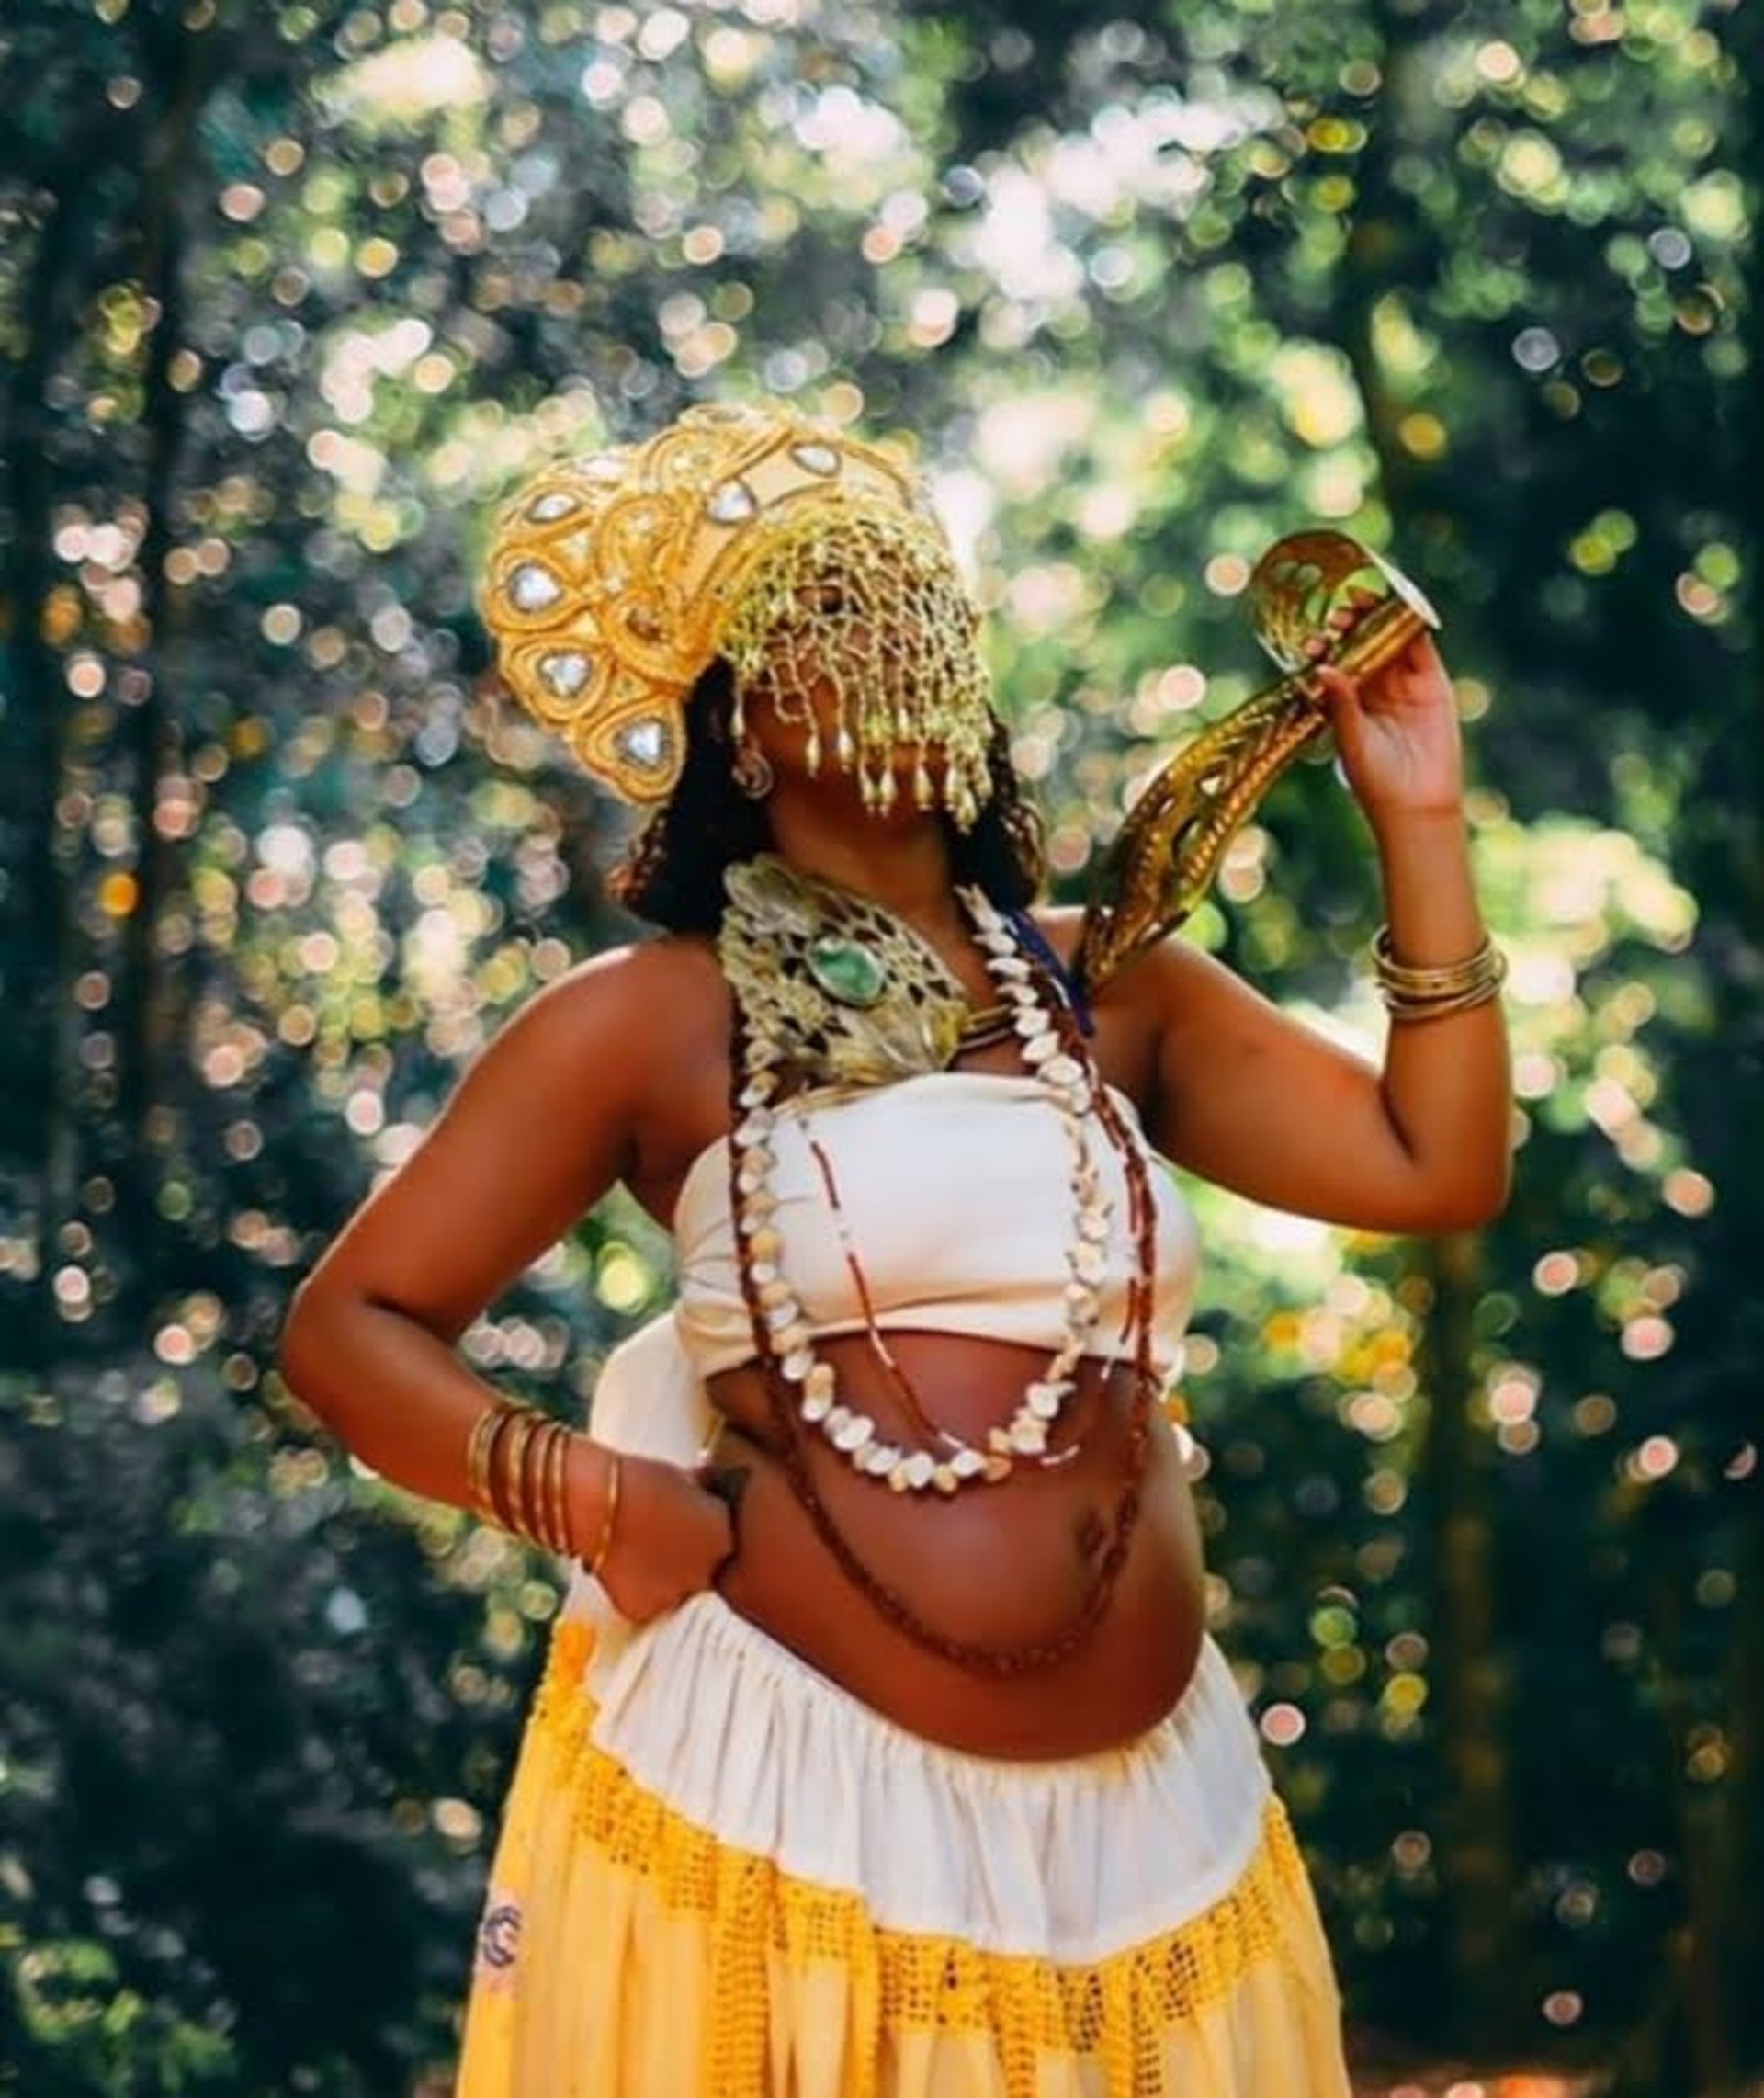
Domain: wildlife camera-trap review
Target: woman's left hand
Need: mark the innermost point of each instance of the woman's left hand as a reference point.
(1397, 732)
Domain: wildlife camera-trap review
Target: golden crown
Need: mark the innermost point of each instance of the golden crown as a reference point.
(609, 579)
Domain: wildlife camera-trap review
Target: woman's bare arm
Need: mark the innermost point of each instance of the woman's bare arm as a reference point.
(1253, 1100)
(536, 1130)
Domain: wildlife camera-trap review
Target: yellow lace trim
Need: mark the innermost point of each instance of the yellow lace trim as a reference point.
(916, 1980)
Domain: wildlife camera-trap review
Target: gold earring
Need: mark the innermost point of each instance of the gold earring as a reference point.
(752, 772)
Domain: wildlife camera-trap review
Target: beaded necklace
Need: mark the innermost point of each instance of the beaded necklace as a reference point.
(1000, 1463)
(1069, 1086)
(802, 1390)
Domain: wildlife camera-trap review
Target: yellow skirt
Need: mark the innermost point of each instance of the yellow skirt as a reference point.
(721, 1874)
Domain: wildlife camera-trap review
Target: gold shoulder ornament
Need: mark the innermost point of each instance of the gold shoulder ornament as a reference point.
(1167, 851)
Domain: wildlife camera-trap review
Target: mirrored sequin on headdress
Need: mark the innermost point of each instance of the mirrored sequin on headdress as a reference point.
(611, 580)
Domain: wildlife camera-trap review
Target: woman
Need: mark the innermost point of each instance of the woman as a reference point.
(881, 1747)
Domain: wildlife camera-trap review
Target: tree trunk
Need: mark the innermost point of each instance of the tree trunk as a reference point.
(1469, 1674)
(40, 1146)
(1729, 873)
(146, 1006)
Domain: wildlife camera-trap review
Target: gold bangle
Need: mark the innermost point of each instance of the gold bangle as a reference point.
(512, 1450)
(1435, 979)
(601, 1550)
(521, 1483)
(505, 1417)
(1431, 1008)
(542, 1529)
(1426, 993)
(483, 1433)
(526, 1479)
(540, 1467)
(560, 1493)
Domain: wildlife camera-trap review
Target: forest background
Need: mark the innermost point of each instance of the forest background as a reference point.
(290, 293)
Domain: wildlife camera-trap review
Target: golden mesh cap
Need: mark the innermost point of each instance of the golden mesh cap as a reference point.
(610, 578)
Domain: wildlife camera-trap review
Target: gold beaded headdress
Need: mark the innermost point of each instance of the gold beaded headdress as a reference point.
(864, 613)
(612, 581)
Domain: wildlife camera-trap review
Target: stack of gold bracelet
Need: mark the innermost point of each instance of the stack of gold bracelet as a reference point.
(517, 1464)
(1424, 994)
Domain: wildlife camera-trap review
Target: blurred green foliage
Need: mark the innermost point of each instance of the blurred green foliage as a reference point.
(288, 293)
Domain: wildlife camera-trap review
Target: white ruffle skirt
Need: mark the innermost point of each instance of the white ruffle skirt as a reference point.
(720, 1873)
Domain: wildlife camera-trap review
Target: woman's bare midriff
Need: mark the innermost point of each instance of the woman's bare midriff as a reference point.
(1000, 1564)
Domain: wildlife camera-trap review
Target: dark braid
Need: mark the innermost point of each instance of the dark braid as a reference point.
(673, 874)
(1013, 828)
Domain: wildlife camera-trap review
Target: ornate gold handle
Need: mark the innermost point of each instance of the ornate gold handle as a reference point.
(1164, 856)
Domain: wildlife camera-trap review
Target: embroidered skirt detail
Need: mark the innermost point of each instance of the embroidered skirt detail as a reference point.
(721, 1874)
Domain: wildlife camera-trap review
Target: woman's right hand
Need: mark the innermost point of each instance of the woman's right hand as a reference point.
(670, 1536)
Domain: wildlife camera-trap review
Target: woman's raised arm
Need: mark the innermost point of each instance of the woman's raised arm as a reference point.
(1256, 1101)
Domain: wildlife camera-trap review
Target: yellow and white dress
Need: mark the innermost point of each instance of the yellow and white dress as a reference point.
(720, 1872)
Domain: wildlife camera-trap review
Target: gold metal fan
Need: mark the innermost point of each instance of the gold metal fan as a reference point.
(1167, 850)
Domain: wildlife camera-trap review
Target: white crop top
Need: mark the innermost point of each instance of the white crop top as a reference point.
(955, 1190)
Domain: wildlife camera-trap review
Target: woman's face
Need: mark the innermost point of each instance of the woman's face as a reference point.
(856, 649)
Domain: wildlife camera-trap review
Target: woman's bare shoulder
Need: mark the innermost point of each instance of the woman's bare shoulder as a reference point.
(1166, 975)
(543, 1120)
(1129, 994)
(677, 970)
(627, 1021)
(1060, 924)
